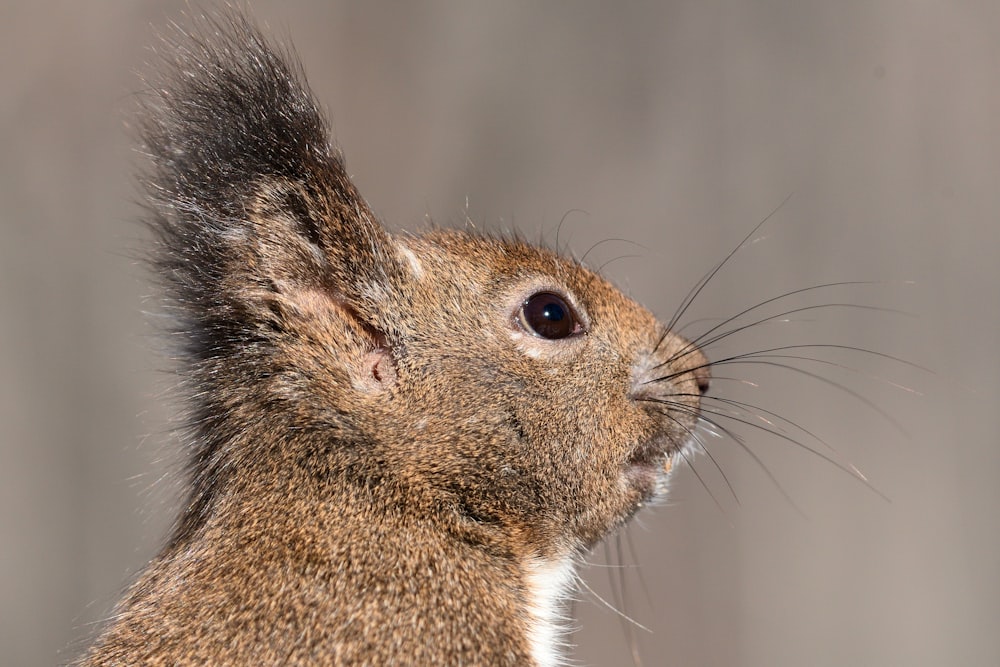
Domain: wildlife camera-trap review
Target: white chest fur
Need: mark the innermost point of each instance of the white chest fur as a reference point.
(548, 583)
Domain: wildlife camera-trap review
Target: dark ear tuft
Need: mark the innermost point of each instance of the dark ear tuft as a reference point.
(228, 110)
(245, 191)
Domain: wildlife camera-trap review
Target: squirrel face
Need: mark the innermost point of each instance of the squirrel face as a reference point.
(506, 392)
(550, 436)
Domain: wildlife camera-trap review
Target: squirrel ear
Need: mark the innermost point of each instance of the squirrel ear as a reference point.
(247, 195)
(318, 230)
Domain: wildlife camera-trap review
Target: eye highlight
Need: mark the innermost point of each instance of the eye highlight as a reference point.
(547, 315)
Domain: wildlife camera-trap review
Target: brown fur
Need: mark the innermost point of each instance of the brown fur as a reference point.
(379, 449)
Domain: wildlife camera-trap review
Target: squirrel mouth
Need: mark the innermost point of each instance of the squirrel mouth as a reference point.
(650, 464)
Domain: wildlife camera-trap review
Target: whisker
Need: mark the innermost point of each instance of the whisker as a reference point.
(786, 295)
(715, 463)
(613, 608)
(633, 641)
(847, 467)
(852, 369)
(724, 378)
(701, 480)
(749, 408)
(755, 458)
(700, 343)
(559, 228)
(700, 285)
(600, 269)
(703, 448)
(746, 449)
(680, 331)
(747, 355)
(638, 568)
(604, 566)
(803, 290)
(615, 582)
(611, 240)
(871, 405)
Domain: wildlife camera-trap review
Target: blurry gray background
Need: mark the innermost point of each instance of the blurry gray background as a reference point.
(676, 126)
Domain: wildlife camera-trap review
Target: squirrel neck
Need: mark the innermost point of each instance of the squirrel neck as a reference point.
(343, 577)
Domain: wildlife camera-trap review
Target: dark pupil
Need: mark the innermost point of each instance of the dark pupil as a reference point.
(548, 316)
(553, 312)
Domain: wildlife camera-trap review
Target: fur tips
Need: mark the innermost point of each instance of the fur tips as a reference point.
(227, 110)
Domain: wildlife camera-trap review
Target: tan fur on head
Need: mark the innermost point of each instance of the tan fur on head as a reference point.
(394, 445)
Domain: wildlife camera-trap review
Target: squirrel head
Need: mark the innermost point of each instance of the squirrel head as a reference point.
(495, 389)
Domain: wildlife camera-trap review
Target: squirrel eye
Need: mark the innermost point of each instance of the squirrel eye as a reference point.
(547, 315)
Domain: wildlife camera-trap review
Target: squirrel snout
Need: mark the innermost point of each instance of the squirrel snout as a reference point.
(672, 363)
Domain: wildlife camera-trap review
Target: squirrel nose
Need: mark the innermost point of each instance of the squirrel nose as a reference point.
(703, 377)
(700, 368)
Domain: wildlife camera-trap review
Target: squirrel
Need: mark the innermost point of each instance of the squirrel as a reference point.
(398, 447)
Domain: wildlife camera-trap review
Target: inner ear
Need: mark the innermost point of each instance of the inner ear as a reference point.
(381, 367)
(294, 202)
(378, 366)
(323, 315)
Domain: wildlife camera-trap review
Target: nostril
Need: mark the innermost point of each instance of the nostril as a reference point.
(703, 377)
